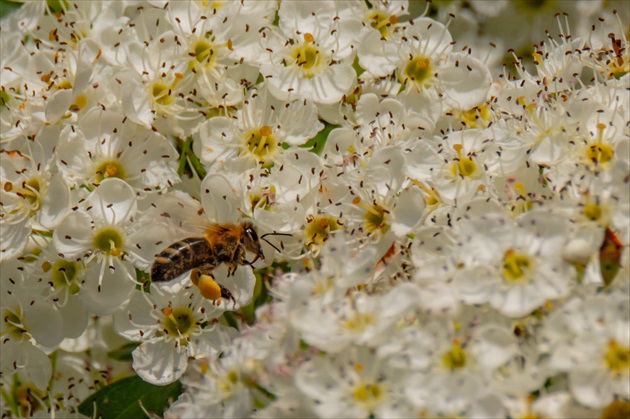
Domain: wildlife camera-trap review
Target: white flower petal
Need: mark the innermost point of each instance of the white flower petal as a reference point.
(591, 387)
(493, 345)
(213, 341)
(386, 170)
(160, 363)
(376, 55)
(55, 204)
(408, 211)
(113, 202)
(115, 288)
(44, 322)
(241, 285)
(58, 104)
(219, 199)
(73, 235)
(467, 84)
(13, 239)
(30, 362)
(213, 137)
(75, 317)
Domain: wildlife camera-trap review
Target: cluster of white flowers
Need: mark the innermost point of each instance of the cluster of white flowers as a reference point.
(454, 239)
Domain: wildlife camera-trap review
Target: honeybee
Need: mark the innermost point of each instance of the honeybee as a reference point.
(221, 243)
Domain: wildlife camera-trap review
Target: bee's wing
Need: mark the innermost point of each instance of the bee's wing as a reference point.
(219, 230)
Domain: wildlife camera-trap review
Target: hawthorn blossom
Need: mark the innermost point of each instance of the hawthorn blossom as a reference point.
(309, 55)
(104, 231)
(441, 200)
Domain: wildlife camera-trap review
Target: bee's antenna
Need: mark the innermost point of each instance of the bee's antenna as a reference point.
(273, 234)
(271, 244)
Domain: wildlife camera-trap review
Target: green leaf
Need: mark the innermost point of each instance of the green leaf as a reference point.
(57, 6)
(316, 144)
(610, 257)
(7, 7)
(122, 399)
(182, 156)
(229, 319)
(124, 352)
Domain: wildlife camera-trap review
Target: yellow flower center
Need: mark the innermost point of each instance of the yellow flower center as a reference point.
(263, 199)
(616, 410)
(374, 216)
(163, 93)
(382, 22)
(367, 393)
(261, 144)
(599, 152)
(417, 70)
(107, 169)
(317, 229)
(462, 165)
(455, 357)
(178, 322)
(13, 325)
(307, 56)
(521, 203)
(617, 357)
(204, 50)
(359, 322)
(64, 84)
(592, 211)
(63, 274)
(108, 240)
(476, 117)
(515, 265)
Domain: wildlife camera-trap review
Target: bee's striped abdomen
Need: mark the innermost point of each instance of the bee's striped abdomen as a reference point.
(180, 257)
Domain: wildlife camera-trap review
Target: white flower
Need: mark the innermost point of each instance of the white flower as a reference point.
(108, 145)
(154, 84)
(256, 133)
(31, 197)
(58, 280)
(357, 319)
(422, 57)
(29, 324)
(514, 268)
(310, 54)
(223, 42)
(380, 202)
(227, 387)
(590, 340)
(451, 364)
(356, 383)
(455, 165)
(171, 328)
(104, 233)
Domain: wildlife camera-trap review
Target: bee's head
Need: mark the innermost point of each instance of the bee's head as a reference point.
(251, 242)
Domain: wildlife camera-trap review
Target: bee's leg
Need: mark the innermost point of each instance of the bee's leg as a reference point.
(226, 294)
(206, 271)
(194, 276)
(231, 268)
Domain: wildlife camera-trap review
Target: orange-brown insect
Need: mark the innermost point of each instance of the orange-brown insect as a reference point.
(221, 243)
